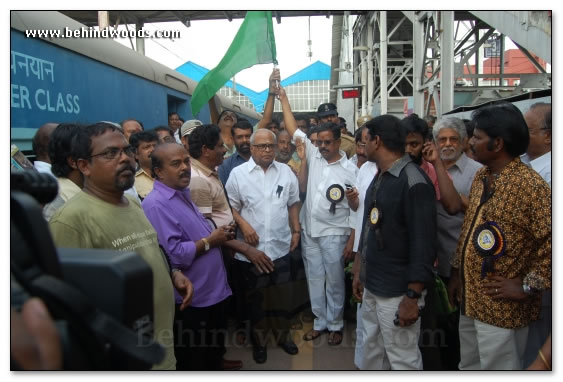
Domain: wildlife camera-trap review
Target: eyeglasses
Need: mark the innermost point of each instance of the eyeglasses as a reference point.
(266, 147)
(325, 142)
(361, 145)
(114, 152)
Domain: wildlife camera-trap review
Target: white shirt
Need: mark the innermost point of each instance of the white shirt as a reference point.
(133, 192)
(354, 160)
(542, 165)
(317, 220)
(262, 199)
(363, 180)
(67, 189)
(43, 167)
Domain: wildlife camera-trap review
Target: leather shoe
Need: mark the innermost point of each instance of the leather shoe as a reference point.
(259, 354)
(228, 364)
(289, 347)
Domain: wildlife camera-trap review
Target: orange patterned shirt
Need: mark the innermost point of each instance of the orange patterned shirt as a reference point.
(520, 205)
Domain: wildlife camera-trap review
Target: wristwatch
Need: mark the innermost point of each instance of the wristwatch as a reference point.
(412, 294)
(207, 247)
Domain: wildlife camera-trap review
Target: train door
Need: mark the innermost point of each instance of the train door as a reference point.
(179, 106)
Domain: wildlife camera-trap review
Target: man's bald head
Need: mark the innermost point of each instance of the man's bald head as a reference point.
(540, 132)
(163, 149)
(40, 143)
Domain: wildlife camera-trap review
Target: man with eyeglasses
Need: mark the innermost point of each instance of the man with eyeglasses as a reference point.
(144, 143)
(101, 216)
(327, 112)
(208, 194)
(265, 194)
(327, 220)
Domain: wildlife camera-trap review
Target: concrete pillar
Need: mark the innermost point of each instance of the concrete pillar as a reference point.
(370, 69)
(383, 60)
(447, 62)
(140, 41)
(418, 60)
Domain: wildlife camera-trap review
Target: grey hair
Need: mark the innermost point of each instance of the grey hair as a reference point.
(268, 130)
(450, 123)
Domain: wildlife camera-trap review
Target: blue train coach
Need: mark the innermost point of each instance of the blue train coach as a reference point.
(85, 80)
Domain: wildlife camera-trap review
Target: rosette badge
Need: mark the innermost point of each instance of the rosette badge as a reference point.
(374, 216)
(489, 241)
(334, 194)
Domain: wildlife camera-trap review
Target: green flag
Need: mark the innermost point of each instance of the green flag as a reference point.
(254, 44)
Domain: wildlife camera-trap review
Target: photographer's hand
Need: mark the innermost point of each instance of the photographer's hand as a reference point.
(184, 286)
(35, 342)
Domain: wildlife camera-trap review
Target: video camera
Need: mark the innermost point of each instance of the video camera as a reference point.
(101, 300)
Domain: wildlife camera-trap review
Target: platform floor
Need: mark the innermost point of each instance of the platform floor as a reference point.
(313, 355)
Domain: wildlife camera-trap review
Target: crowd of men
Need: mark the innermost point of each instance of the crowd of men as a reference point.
(219, 211)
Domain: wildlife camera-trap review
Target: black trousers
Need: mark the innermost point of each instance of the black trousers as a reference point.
(269, 300)
(199, 337)
(439, 342)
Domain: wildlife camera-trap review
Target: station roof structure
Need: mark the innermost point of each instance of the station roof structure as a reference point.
(90, 18)
(316, 71)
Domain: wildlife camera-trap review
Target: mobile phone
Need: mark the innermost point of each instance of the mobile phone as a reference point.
(348, 186)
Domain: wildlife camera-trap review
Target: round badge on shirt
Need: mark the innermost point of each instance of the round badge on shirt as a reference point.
(334, 194)
(374, 216)
(488, 239)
